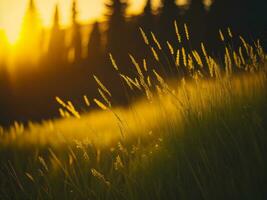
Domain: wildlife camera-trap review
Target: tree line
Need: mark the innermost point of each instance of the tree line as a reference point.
(243, 17)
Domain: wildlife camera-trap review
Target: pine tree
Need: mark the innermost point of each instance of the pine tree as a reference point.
(76, 34)
(30, 35)
(31, 22)
(56, 19)
(147, 18)
(95, 43)
(148, 8)
(116, 33)
(56, 49)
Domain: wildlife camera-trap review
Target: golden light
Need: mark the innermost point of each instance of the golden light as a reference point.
(12, 33)
(12, 12)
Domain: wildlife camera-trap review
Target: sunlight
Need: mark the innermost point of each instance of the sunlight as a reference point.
(11, 22)
(133, 99)
(12, 33)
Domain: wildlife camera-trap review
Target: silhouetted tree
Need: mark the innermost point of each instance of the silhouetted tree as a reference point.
(147, 18)
(76, 43)
(116, 33)
(56, 49)
(30, 34)
(195, 18)
(31, 21)
(147, 22)
(95, 44)
(148, 9)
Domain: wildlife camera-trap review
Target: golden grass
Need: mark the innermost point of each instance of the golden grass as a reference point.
(104, 128)
(186, 135)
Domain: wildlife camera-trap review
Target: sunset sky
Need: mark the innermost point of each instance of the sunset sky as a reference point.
(12, 12)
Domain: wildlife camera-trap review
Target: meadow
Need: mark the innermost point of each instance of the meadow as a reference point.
(201, 136)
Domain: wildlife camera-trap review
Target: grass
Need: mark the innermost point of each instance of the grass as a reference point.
(198, 137)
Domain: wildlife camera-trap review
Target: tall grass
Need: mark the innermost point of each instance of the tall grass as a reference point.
(201, 136)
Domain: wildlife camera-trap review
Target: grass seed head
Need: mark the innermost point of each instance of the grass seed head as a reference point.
(144, 36)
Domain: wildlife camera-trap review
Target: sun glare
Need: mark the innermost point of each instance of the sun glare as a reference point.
(12, 33)
(9, 22)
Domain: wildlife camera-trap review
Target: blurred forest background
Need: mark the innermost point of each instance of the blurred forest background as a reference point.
(62, 61)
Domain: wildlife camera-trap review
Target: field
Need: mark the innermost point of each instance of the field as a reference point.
(196, 137)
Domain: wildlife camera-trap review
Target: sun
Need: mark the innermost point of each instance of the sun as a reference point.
(12, 33)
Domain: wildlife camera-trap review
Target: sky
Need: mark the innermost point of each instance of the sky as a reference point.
(12, 12)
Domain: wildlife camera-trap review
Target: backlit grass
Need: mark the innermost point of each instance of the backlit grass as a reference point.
(202, 136)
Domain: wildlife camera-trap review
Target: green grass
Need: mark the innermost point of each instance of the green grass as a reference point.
(188, 139)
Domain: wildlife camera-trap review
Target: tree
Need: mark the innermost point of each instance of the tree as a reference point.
(116, 33)
(76, 43)
(148, 9)
(30, 35)
(56, 48)
(95, 44)
(147, 18)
